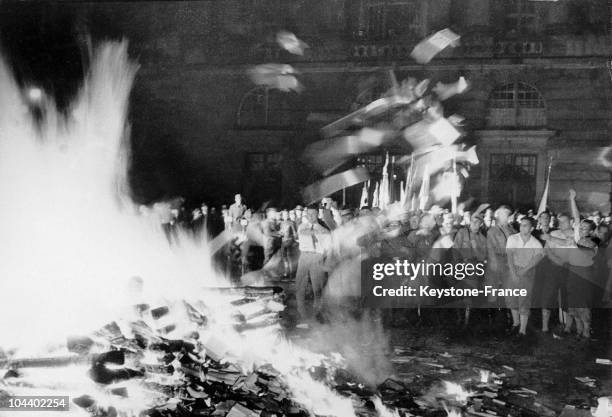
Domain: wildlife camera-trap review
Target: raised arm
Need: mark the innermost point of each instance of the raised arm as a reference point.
(574, 206)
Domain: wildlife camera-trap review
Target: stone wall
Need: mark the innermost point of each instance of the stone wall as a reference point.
(194, 56)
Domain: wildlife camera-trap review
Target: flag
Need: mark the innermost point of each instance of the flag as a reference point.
(375, 201)
(544, 200)
(384, 197)
(316, 191)
(409, 182)
(455, 188)
(424, 192)
(402, 193)
(364, 195)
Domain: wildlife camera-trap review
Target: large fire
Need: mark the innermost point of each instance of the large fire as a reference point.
(74, 245)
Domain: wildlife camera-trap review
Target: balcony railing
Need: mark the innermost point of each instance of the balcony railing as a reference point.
(365, 51)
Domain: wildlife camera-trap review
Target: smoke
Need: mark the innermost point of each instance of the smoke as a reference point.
(361, 341)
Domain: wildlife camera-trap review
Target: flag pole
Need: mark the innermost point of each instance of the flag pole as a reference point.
(544, 200)
(454, 189)
(410, 181)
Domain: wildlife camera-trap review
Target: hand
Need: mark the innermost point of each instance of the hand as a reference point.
(572, 194)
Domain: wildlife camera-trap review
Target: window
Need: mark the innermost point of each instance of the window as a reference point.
(387, 19)
(517, 105)
(512, 179)
(523, 163)
(263, 162)
(265, 108)
(521, 17)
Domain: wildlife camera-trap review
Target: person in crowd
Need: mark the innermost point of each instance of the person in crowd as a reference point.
(489, 220)
(418, 247)
(205, 220)
(497, 271)
(227, 219)
(596, 217)
(196, 224)
(470, 246)
(288, 232)
(543, 278)
(554, 222)
(581, 286)
(215, 222)
(552, 279)
(271, 233)
(299, 215)
(313, 243)
(235, 212)
(524, 252)
(466, 218)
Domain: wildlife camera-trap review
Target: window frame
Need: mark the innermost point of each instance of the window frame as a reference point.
(514, 160)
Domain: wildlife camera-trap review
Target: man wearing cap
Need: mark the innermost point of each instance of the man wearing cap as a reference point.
(314, 241)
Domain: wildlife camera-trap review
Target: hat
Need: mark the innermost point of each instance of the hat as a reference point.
(346, 212)
(478, 216)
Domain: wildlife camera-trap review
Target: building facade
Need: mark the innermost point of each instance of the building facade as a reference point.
(539, 72)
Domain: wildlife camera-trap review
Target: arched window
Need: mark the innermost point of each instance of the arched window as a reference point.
(264, 108)
(517, 105)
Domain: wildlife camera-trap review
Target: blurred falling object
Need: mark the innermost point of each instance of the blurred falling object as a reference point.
(441, 158)
(277, 76)
(289, 42)
(427, 133)
(445, 91)
(447, 187)
(375, 108)
(329, 154)
(316, 191)
(433, 45)
(603, 157)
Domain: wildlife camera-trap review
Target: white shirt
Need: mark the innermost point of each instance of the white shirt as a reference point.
(523, 253)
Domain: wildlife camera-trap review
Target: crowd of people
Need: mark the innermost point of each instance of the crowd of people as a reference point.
(563, 260)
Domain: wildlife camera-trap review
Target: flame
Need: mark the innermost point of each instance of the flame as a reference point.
(453, 412)
(484, 375)
(74, 242)
(456, 390)
(383, 410)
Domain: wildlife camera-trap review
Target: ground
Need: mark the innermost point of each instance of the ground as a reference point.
(423, 353)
